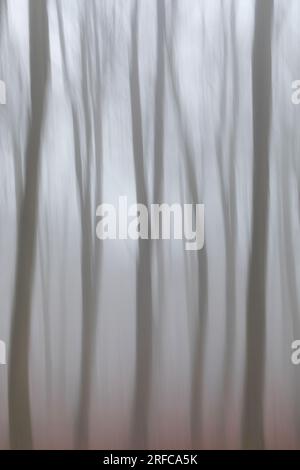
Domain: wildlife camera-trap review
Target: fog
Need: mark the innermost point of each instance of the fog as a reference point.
(126, 344)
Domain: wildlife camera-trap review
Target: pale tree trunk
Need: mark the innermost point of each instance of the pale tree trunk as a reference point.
(196, 195)
(231, 238)
(159, 128)
(91, 253)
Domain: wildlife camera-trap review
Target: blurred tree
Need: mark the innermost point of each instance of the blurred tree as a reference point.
(144, 320)
(19, 394)
(253, 420)
(196, 190)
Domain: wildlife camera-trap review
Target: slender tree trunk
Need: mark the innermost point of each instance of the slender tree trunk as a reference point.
(159, 104)
(253, 425)
(91, 253)
(19, 393)
(144, 325)
(230, 238)
(44, 263)
(159, 130)
(199, 332)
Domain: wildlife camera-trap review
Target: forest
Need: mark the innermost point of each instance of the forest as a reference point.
(139, 343)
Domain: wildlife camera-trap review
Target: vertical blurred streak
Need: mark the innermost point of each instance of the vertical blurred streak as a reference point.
(90, 253)
(144, 327)
(43, 259)
(230, 234)
(159, 169)
(159, 104)
(89, 312)
(253, 425)
(196, 194)
(19, 394)
(3, 14)
(17, 160)
(3, 20)
(227, 198)
(159, 129)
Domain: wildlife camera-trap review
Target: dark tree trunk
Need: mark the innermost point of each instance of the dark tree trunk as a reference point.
(19, 393)
(253, 426)
(144, 325)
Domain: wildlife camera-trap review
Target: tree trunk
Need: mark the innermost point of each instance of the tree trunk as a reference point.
(19, 393)
(253, 426)
(144, 325)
